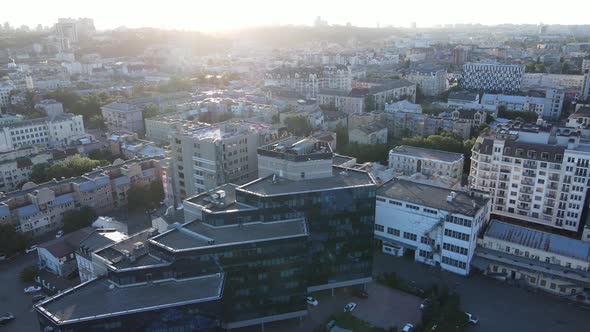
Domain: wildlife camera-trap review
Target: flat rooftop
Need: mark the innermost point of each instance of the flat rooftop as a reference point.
(197, 234)
(341, 178)
(539, 240)
(428, 154)
(431, 196)
(95, 299)
(211, 201)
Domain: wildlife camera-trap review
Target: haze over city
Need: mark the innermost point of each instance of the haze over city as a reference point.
(233, 14)
(295, 166)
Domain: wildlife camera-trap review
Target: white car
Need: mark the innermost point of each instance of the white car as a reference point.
(59, 234)
(312, 301)
(32, 289)
(408, 328)
(31, 249)
(349, 307)
(472, 319)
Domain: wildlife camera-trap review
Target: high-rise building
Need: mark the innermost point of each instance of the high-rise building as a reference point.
(206, 156)
(248, 254)
(492, 77)
(534, 174)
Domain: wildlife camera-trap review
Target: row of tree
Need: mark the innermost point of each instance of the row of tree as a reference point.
(88, 106)
(75, 166)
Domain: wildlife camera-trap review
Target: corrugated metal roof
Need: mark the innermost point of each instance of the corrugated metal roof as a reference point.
(63, 199)
(539, 240)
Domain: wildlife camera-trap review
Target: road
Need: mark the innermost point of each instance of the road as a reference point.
(12, 297)
(500, 307)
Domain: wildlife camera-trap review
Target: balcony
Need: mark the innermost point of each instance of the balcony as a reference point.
(525, 182)
(526, 191)
(530, 165)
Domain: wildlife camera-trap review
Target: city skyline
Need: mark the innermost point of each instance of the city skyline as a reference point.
(182, 14)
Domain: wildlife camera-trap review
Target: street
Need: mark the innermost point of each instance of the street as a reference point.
(12, 297)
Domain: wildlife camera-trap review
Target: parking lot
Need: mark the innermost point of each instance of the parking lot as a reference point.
(384, 308)
(12, 297)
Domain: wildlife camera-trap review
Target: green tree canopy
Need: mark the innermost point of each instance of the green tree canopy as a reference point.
(75, 166)
(76, 219)
(11, 241)
(140, 197)
(298, 125)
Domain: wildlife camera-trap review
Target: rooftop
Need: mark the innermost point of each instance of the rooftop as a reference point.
(428, 154)
(539, 240)
(197, 234)
(67, 244)
(431, 196)
(96, 299)
(121, 107)
(341, 178)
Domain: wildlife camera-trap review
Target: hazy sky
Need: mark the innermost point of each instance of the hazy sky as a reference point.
(210, 15)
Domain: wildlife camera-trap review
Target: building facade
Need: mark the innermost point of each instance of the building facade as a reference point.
(123, 117)
(435, 225)
(432, 82)
(54, 132)
(549, 262)
(492, 77)
(39, 209)
(533, 176)
(409, 160)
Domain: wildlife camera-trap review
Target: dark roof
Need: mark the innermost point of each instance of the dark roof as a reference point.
(429, 154)
(96, 298)
(197, 234)
(511, 148)
(338, 160)
(341, 178)
(582, 112)
(68, 243)
(463, 95)
(431, 196)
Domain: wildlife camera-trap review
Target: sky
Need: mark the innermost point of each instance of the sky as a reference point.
(216, 15)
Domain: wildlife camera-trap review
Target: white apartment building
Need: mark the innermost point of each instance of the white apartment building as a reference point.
(409, 160)
(439, 226)
(492, 77)
(550, 262)
(548, 107)
(552, 81)
(534, 175)
(431, 82)
(5, 89)
(57, 131)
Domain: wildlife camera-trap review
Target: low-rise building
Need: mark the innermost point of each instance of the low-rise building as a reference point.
(39, 208)
(431, 81)
(371, 133)
(548, 107)
(128, 145)
(123, 117)
(62, 130)
(50, 107)
(550, 262)
(58, 255)
(435, 225)
(408, 160)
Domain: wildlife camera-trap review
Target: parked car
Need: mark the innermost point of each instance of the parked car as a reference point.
(32, 289)
(471, 319)
(425, 304)
(312, 301)
(38, 297)
(59, 234)
(31, 249)
(7, 317)
(434, 327)
(2, 257)
(330, 325)
(408, 328)
(349, 307)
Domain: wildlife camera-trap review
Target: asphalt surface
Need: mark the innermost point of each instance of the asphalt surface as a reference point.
(12, 297)
(500, 306)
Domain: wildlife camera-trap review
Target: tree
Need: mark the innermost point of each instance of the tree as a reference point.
(525, 116)
(11, 241)
(150, 111)
(139, 197)
(369, 103)
(298, 125)
(28, 274)
(75, 166)
(74, 220)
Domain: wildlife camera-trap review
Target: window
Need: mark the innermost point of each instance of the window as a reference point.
(413, 207)
(379, 228)
(426, 240)
(393, 231)
(457, 235)
(395, 202)
(410, 236)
